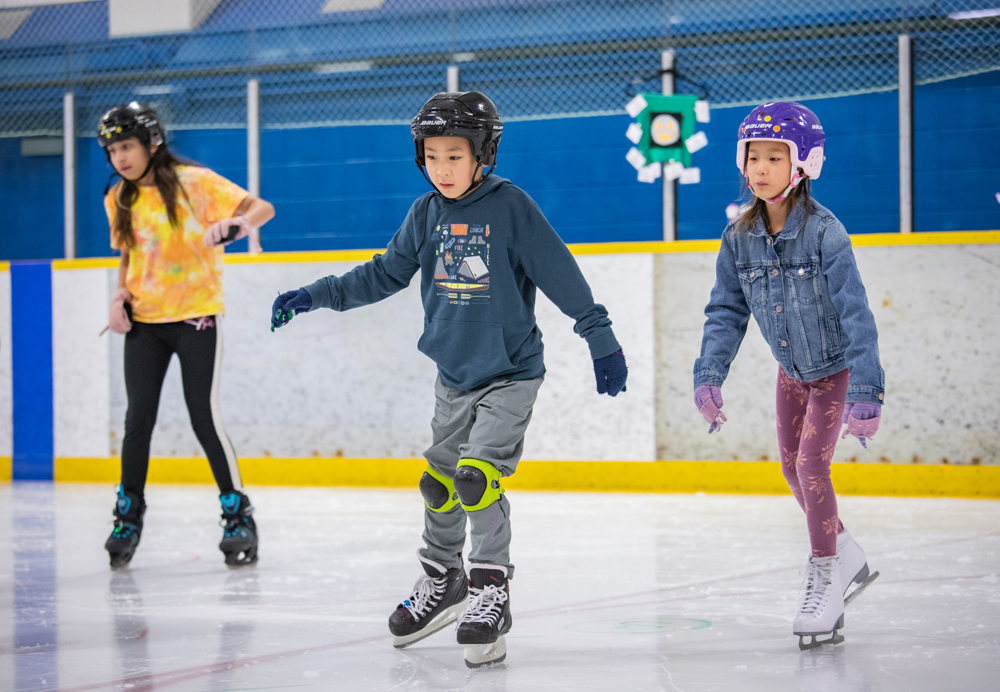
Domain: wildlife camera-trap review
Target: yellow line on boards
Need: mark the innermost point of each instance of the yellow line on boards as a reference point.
(638, 247)
(4, 266)
(6, 468)
(86, 263)
(592, 476)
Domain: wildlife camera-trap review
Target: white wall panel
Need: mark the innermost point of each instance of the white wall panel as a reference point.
(939, 339)
(80, 300)
(353, 384)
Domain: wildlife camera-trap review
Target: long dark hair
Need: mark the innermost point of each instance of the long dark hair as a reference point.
(163, 165)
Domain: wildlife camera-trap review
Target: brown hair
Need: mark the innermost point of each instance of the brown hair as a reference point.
(163, 166)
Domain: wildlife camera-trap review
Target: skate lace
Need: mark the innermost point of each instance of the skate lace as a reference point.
(817, 586)
(427, 593)
(485, 605)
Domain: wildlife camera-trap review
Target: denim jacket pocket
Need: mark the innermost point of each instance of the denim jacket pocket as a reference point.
(833, 334)
(752, 282)
(802, 278)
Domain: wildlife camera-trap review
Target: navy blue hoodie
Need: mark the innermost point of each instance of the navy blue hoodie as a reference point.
(480, 260)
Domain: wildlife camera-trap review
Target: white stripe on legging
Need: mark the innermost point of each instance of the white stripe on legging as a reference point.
(227, 446)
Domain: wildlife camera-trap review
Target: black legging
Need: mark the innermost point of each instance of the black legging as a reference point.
(148, 349)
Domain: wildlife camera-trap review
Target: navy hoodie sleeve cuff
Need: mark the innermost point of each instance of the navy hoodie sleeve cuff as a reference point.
(603, 344)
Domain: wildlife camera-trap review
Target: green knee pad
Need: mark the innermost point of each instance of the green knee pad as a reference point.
(477, 483)
(438, 491)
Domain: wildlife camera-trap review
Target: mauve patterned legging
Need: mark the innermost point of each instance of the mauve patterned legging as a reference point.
(808, 426)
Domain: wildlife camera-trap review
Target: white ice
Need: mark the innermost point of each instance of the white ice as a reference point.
(611, 592)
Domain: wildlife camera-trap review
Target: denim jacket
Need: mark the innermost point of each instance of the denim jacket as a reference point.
(803, 288)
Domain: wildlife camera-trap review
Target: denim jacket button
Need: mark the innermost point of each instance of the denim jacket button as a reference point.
(774, 272)
(784, 343)
(777, 308)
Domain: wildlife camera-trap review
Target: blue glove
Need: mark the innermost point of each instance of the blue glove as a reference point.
(289, 304)
(611, 373)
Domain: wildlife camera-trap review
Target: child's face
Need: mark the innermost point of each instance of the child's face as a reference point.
(769, 168)
(450, 165)
(129, 158)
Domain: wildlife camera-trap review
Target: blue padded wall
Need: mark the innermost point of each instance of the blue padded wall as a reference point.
(31, 197)
(350, 187)
(957, 158)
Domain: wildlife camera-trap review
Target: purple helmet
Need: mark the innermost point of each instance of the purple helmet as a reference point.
(789, 122)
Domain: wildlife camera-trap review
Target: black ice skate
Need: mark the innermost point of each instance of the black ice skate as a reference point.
(438, 597)
(124, 538)
(239, 537)
(486, 620)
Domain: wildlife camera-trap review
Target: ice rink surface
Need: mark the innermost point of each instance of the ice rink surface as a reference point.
(617, 592)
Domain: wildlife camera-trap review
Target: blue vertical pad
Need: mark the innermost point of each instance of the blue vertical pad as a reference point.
(31, 327)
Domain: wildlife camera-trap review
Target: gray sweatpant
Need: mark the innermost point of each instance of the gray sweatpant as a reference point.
(486, 424)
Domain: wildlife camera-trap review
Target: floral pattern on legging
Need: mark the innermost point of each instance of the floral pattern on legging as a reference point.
(808, 423)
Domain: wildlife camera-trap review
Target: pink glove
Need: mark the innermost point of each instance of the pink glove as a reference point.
(862, 421)
(708, 399)
(118, 320)
(229, 231)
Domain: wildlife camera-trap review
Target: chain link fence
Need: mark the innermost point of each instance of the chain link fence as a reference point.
(336, 62)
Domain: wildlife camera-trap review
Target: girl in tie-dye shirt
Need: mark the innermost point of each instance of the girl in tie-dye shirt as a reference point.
(170, 221)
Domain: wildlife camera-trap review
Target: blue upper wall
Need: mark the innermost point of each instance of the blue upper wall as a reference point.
(350, 187)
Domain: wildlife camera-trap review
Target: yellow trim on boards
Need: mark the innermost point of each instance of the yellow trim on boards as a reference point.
(6, 468)
(4, 266)
(750, 477)
(639, 247)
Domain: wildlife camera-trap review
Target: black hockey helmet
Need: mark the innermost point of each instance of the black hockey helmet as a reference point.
(131, 120)
(468, 114)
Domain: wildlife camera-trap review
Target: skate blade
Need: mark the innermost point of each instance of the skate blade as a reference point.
(816, 643)
(120, 564)
(444, 618)
(235, 559)
(479, 655)
(861, 587)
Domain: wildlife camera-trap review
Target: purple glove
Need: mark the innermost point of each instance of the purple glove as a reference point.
(708, 399)
(862, 421)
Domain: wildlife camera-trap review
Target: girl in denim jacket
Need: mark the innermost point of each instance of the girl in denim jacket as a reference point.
(787, 261)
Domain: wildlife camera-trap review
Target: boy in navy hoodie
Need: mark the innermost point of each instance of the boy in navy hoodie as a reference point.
(482, 246)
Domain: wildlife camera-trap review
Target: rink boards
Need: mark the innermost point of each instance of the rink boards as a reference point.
(346, 399)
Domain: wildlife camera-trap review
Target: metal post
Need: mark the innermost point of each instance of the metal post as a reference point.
(669, 186)
(453, 78)
(253, 145)
(905, 134)
(69, 175)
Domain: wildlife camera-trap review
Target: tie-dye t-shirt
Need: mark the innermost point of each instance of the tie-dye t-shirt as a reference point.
(171, 274)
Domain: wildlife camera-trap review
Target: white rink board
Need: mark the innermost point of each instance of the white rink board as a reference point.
(80, 365)
(353, 384)
(939, 341)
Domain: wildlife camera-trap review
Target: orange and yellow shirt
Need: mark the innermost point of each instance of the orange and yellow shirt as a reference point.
(171, 274)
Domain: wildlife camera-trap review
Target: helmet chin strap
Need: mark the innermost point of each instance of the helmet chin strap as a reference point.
(797, 177)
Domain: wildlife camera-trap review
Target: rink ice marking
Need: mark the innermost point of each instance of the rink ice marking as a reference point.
(154, 681)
